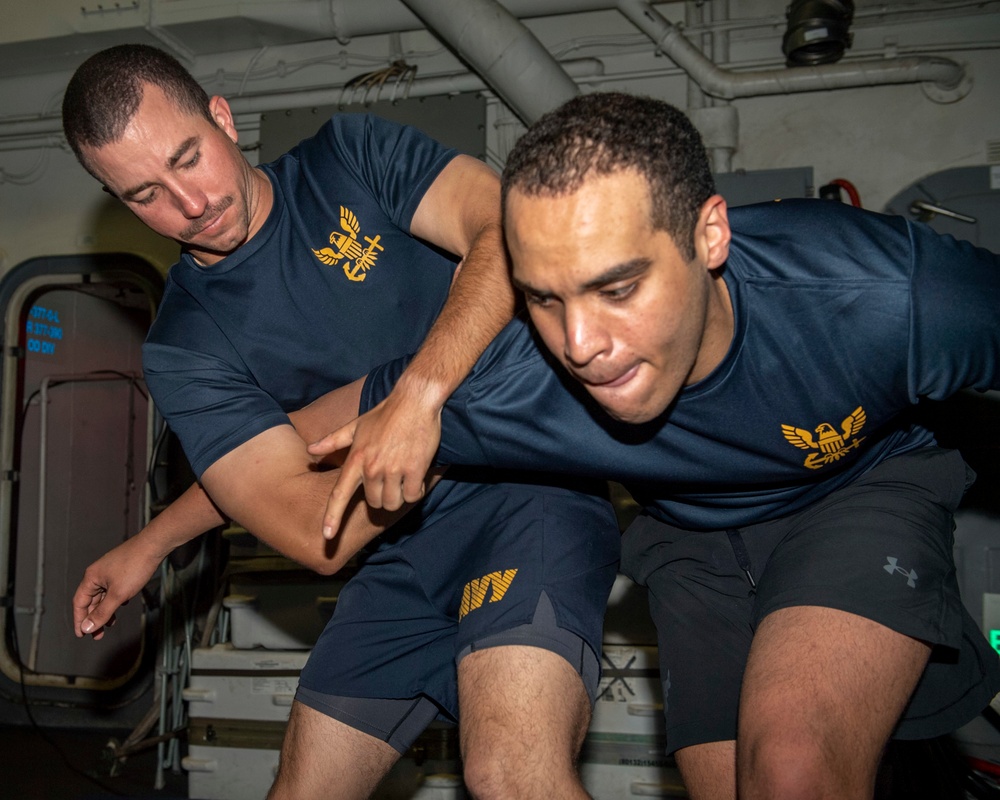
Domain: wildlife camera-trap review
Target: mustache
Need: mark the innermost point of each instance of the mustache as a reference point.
(207, 217)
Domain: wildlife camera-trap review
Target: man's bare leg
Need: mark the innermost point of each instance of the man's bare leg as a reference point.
(822, 692)
(322, 758)
(709, 770)
(524, 715)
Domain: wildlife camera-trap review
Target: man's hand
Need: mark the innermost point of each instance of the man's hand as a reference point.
(109, 583)
(392, 447)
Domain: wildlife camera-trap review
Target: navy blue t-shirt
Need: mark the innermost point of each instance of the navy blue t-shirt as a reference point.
(332, 285)
(844, 319)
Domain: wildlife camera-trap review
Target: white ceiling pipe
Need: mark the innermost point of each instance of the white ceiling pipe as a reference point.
(504, 53)
(353, 18)
(946, 75)
(46, 131)
(345, 19)
(421, 87)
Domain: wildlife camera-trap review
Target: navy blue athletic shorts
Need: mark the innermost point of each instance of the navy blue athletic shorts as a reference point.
(478, 563)
(880, 548)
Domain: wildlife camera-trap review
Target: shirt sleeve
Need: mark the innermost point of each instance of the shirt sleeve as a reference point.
(397, 162)
(210, 406)
(515, 409)
(460, 442)
(955, 316)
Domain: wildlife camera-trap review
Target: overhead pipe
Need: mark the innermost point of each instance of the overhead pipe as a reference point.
(504, 53)
(313, 19)
(435, 86)
(344, 19)
(943, 79)
(31, 133)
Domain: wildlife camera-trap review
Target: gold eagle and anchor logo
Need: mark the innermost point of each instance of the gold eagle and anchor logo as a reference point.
(345, 247)
(831, 445)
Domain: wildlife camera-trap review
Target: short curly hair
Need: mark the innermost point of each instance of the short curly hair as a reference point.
(606, 132)
(106, 90)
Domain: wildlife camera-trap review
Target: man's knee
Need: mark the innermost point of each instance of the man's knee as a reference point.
(799, 767)
(524, 714)
(816, 712)
(709, 770)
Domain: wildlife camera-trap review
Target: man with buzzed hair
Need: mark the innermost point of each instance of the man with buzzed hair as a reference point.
(749, 375)
(297, 277)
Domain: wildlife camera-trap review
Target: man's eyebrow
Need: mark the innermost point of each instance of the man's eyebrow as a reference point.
(177, 155)
(186, 145)
(524, 287)
(619, 272)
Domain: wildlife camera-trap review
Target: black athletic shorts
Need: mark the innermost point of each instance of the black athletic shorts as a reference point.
(880, 548)
(480, 564)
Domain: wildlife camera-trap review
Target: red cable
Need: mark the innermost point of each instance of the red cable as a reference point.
(848, 187)
(984, 766)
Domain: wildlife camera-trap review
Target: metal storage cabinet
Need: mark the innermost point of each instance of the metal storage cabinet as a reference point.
(276, 604)
(623, 754)
(238, 706)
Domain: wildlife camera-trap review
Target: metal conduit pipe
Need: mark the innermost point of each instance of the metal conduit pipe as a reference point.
(946, 76)
(39, 607)
(46, 131)
(40, 545)
(345, 19)
(312, 19)
(504, 53)
(421, 87)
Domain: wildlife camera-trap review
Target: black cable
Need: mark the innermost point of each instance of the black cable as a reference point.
(161, 439)
(134, 383)
(41, 731)
(150, 481)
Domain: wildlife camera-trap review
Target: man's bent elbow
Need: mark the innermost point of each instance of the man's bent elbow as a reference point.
(330, 566)
(324, 560)
(318, 555)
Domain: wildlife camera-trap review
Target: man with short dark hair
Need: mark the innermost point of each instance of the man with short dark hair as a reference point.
(295, 278)
(748, 374)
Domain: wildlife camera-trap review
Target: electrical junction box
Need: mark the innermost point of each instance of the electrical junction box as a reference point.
(744, 187)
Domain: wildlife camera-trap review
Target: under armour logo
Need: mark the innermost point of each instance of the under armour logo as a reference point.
(892, 566)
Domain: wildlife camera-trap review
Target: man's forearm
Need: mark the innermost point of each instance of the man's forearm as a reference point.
(273, 489)
(393, 444)
(333, 409)
(186, 518)
(480, 303)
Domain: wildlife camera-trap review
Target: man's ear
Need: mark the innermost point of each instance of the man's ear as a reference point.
(712, 232)
(219, 108)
